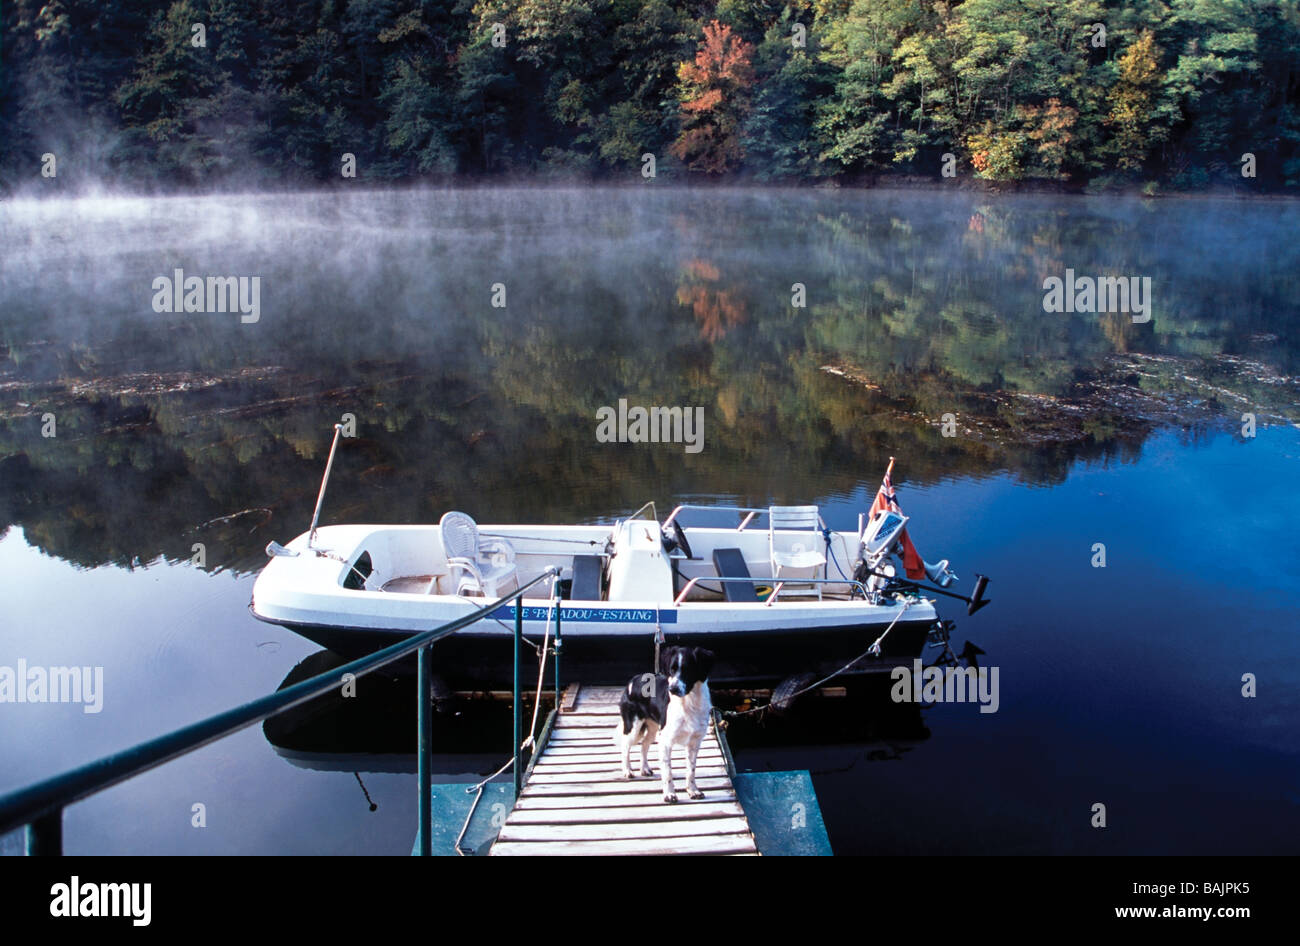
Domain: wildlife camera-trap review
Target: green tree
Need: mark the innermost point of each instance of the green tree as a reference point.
(779, 137)
(419, 95)
(858, 123)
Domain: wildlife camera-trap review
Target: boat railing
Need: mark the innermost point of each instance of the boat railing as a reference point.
(39, 807)
(776, 590)
(749, 512)
(651, 506)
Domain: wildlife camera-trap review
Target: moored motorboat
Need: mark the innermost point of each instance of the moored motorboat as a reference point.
(775, 593)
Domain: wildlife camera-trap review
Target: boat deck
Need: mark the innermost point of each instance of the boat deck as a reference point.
(575, 801)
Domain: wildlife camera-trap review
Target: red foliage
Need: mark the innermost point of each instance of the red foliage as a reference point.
(718, 310)
(722, 59)
(715, 98)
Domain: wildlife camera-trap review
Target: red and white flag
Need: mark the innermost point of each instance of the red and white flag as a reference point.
(885, 499)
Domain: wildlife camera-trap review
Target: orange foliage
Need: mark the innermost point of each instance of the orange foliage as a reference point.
(722, 59)
(702, 270)
(717, 310)
(715, 97)
(1052, 127)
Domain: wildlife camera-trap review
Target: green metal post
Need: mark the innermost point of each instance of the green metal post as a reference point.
(519, 709)
(425, 746)
(557, 656)
(45, 835)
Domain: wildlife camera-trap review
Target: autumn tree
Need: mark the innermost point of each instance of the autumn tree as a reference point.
(1131, 101)
(1051, 128)
(996, 154)
(278, 90)
(714, 92)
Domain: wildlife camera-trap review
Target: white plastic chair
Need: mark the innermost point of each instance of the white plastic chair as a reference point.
(476, 567)
(799, 555)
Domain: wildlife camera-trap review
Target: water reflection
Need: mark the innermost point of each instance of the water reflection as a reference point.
(717, 309)
(179, 429)
(374, 731)
(828, 730)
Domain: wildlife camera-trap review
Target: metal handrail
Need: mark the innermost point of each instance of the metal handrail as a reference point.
(751, 510)
(40, 806)
(654, 513)
(779, 582)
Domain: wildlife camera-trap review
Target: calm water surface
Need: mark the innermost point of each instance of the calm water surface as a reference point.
(1118, 685)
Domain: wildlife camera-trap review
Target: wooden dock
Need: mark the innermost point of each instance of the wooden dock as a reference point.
(575, 801)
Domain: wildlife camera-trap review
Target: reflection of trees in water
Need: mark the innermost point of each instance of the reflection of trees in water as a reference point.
(717, 309)
(461, 405)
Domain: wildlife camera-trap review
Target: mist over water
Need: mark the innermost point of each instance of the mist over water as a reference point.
(380, 304)
(183, 427)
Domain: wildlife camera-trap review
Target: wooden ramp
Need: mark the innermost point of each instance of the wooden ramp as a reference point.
(576, 802)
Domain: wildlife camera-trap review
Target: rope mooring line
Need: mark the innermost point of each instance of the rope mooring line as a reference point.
(873, 650)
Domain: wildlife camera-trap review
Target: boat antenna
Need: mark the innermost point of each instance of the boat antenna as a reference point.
(320, 497)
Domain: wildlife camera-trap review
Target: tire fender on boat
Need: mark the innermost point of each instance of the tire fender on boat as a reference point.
(784, 696)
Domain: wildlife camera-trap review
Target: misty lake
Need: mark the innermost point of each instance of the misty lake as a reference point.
(475, 334)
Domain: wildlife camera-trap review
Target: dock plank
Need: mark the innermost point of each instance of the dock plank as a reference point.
(624, 831)
(578, 720)
(614, 766)
(605, 801)
(601, 754)
(723, 844)
(636, 786)
(576, 801)
(621, 813)
(541, 777)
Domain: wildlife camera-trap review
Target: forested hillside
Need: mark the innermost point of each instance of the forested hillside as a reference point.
(1170, 94)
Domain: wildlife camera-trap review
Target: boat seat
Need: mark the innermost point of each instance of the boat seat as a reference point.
(800, 555)
(587, 571)
(476, 567)
(730, 563)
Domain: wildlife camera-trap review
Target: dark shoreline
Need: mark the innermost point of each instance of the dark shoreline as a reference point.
(885, 182)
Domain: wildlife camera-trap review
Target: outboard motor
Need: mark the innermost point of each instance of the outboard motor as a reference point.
(883, 537)
(877, 540)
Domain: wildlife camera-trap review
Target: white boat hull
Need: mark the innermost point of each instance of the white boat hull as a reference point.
(306, 592)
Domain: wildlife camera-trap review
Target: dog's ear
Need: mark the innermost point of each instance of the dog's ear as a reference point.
(704, 658)
(666, 659)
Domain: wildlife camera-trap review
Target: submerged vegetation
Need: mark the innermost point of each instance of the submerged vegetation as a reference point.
(1176, 93)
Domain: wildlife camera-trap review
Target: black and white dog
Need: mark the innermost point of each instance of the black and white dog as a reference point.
(673, 705)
